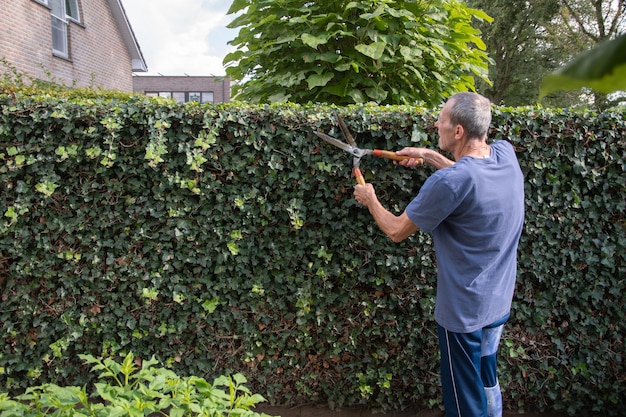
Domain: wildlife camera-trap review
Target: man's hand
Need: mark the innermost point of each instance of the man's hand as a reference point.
(428, 156)
(397, 228)
(365, 194)
(416, 156)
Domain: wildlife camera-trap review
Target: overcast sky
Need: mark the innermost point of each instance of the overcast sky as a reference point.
(179, 37)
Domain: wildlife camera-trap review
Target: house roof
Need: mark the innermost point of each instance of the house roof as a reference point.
(119, 14)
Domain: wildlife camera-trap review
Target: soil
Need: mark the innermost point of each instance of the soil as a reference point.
(323, 411)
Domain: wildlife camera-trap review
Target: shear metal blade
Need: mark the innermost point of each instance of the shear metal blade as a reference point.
(345, 130)
(350, 149)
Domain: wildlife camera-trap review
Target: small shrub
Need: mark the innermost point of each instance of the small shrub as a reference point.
(127, 390)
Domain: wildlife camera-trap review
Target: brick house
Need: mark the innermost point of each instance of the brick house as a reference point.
(71, 42)
(203, 89)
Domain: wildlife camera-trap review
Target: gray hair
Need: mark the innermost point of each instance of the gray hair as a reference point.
(473, 112)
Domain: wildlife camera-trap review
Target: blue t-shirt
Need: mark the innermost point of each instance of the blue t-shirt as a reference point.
(475, 212)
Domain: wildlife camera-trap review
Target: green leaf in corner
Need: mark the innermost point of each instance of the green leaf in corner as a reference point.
(602, 68)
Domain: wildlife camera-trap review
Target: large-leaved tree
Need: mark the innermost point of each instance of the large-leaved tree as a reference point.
(517, 42)
(589, 24)
(345, 52)
(530, 39)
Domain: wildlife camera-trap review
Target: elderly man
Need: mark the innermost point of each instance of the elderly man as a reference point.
(474, 209)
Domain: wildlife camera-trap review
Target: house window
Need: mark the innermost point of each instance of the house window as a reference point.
(71, 10)
(61, 11)
(179, 96)
(59, 27)
(71, 7)
(182, 97)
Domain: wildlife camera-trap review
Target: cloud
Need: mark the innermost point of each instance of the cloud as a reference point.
(181, 37)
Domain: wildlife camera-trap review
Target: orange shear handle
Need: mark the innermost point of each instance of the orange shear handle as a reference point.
(359, 176)
(392, 155)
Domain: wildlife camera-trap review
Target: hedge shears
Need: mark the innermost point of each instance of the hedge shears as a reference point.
(356, 152)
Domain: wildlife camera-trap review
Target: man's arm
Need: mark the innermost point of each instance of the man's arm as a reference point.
(397, 228)
(430, 157)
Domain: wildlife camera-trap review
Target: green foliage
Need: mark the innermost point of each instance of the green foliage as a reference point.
(517, 44)
(584, 26)
(529, 41)
(13, 81)
(603, 69)
(346, 52)
(224, 239)
(127, 390)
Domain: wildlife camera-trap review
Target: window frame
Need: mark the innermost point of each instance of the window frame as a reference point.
(74, 10)
(204, 95)
(184, 96)
(179, 96)
(71, 5)
(59, 28)
(66, 11)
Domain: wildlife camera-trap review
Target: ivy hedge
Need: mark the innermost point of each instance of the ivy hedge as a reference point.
(224, 238)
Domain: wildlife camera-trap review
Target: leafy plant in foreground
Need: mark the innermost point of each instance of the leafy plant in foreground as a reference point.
(133, 391)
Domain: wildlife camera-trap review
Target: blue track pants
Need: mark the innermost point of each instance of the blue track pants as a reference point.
(469, 375)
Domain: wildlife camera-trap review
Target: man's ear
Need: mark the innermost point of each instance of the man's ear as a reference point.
(458, 131)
